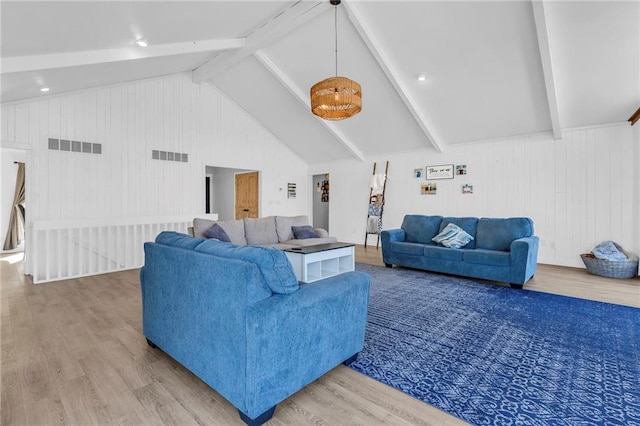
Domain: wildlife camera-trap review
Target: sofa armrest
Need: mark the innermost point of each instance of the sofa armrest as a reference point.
(322, 233)
(295, 338)
(392, 235)
(524, 259)
(387, 237)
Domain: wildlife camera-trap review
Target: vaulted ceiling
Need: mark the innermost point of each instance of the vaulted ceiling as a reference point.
(495, 69)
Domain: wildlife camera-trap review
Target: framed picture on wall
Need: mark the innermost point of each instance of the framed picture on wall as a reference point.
(291, 190)
(429, 188)
(442, 171)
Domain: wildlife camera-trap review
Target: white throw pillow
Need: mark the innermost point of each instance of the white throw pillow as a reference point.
(453, 236)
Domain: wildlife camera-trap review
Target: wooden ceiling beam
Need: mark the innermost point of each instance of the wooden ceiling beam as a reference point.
(92, 57)
(287, 20)
(544, 45)
(303, 98)
(392, 75)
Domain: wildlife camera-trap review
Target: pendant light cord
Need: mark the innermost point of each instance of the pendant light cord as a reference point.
(336, 28)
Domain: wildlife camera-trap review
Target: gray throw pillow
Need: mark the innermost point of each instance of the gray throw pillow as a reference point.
(303, 232)
(218, 233)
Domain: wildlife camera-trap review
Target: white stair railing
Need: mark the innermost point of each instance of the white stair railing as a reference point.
(57, 250)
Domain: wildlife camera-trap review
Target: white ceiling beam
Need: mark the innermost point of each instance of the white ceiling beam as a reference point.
(392, 75)
(92, 57)
(277, 26)
(540, 17)
(284, 79)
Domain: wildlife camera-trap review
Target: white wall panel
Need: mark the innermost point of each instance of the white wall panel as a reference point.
(579, 191)
(131, 120)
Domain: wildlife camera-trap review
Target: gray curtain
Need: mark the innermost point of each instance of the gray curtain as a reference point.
(15, 234)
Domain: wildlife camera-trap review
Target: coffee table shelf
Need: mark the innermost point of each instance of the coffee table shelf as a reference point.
(314, 263)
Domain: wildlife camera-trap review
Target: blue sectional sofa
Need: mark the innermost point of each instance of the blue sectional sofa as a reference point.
(502, 249)
(237, 318)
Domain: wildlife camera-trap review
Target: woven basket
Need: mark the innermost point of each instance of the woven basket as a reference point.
(607, 268)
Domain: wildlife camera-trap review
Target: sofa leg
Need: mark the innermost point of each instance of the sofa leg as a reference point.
(150, 343)
(262, 418)
(388, 265)
(516, 286)
(351, 359)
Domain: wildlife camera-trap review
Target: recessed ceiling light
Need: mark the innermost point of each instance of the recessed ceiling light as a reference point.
(142, 43)
(44, 89)
(422, 76)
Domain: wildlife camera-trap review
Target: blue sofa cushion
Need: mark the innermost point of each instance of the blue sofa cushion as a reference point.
(272, 263)
(442, 253)
(415, 249)
(420, 228)
(487, 257)
(452, 236)
(176, 239)
(217, 233)
(469, 224)
(497, 234)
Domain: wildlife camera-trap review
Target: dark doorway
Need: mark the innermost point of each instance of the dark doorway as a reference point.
(207, 194)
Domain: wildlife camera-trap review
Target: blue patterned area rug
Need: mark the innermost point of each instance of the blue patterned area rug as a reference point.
(492, 355)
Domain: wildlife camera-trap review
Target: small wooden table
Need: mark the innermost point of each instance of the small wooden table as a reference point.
(312, 263)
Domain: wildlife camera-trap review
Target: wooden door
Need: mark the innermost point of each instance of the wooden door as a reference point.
(247, 195)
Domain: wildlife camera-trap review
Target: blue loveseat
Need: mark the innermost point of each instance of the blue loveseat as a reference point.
(502, 249)
(237, 318)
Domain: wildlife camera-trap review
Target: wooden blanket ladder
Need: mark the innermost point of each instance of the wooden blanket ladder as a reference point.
(376, 204)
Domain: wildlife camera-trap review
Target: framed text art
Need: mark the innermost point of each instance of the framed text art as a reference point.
(443, 171)
(291, 190)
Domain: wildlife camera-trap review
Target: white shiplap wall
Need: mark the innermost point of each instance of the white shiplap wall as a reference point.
(579, 191)
(129, 121)
(169, 113)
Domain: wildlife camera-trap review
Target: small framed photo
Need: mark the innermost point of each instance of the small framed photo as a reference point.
(461, 169)
(442, 171)
(417, 173)
(467, 189)
(291, 190)
(429, 188)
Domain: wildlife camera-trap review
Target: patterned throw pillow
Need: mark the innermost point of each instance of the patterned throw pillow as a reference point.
(218, 233)
(303, 232)
(453, 236)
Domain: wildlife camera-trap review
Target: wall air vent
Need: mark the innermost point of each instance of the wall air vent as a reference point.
(74, 146)
(169, 156)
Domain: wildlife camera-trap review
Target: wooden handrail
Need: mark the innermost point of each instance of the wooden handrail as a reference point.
(635, 117)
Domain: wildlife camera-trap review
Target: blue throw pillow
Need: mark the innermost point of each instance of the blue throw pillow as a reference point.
(303, 232)
(218, 233)
(453, 236)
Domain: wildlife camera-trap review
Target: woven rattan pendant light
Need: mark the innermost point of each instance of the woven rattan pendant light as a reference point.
(336, 98)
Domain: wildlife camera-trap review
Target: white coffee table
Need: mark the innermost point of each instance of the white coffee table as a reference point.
(314, 263)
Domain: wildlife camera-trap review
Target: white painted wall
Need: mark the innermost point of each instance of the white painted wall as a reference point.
(169, 113)
(579, 190)
(8, 173)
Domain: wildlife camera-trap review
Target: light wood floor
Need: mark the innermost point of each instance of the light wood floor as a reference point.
(73, 353)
